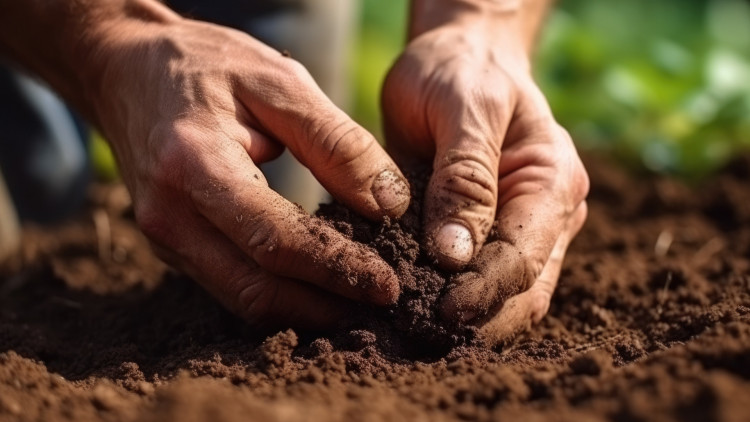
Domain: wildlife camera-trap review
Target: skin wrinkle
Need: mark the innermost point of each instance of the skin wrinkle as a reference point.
(263, 241)
(255, 294)
(488, 281)
(533, 153)
(471, 200)
(252, 120)
(347, 164)
(471, 158)
(473, 136)
(511, 189)
(334, 148)
(545, 139)
(481, 126)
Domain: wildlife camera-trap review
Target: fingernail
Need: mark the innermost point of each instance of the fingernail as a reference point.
(391, 192)
(454, 242)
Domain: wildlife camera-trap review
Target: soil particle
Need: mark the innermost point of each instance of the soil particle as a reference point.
(631, 335)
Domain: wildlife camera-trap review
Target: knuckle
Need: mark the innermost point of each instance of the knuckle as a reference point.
(468, 179)
(293, 67)
(342, 142)
(263, 242)
(163, 174)
(172, 152)
(498, 101)
(152, 221)
(292, 78)
(531, 269)
(257, 300)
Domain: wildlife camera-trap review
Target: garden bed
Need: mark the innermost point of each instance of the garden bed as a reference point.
(651, 321)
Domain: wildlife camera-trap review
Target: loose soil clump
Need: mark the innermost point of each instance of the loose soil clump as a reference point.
(651, 321)
(412, 328)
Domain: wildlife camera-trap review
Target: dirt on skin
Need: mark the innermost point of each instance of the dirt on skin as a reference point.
(651, 321)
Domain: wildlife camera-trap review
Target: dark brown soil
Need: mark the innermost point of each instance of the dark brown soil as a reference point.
(412, 328)
(640, 328)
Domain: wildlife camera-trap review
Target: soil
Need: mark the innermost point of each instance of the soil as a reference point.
(651, 321)
(413, 328)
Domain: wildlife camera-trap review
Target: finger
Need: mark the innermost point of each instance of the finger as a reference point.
(259, 147)
(519, 312)
(285, 241)
(461, 196)
(236, 128)
(343, 156)
(262, 299)
(541, 184)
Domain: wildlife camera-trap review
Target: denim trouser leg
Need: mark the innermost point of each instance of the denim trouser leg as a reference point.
(42, 151)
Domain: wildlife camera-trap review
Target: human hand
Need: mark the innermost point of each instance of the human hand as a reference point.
(191, 109)
(470, 105)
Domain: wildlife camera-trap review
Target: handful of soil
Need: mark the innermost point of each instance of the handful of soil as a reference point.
(413, 326)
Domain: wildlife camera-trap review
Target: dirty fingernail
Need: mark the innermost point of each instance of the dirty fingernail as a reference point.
(455, 246)
(391, 192)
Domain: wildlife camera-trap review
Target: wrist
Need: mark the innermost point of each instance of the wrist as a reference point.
(105, 47)
(67, 43)
(490, 28)
(426, 15)
(509, 24)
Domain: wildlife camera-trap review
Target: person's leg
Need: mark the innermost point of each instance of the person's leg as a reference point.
(317, 33)
(42, 154)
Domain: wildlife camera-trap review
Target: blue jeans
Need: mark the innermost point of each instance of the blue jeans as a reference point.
(43, 153)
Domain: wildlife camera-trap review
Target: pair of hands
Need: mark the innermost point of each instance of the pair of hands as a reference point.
(191, 110)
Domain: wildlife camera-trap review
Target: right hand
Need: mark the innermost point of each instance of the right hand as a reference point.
(191, 109)
(465, 101)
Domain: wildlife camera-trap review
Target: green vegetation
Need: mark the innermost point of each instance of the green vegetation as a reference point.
(381, 37)
(665, 83)
(103, 162)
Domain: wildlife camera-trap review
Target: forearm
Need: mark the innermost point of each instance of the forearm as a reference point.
(516, 21)
(64, 41)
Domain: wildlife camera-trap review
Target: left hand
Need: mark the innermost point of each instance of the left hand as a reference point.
(472, 107)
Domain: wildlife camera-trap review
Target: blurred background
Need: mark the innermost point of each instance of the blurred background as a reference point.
(663, 85)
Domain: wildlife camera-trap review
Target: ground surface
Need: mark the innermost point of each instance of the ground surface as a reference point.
(651, 322)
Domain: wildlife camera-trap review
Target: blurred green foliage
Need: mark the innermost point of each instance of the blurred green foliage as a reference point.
(381, 37)
(663, 84)
(102, 159)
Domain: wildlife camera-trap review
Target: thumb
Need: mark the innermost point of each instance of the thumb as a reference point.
(461, 197)
(343, 156)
